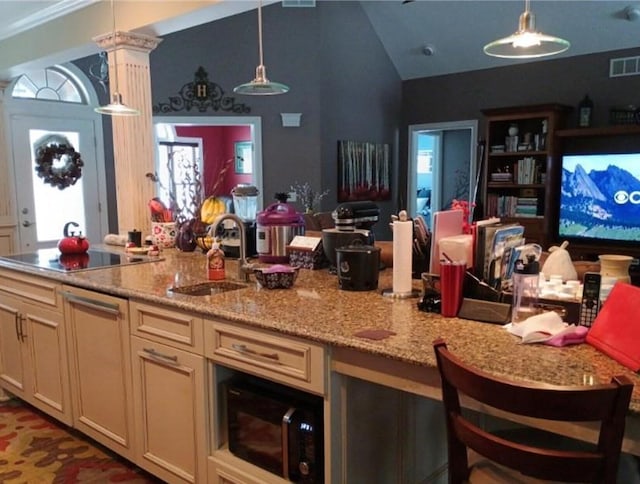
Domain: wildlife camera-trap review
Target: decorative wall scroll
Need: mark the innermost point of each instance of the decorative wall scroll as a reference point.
(364, 171)
(201, 94)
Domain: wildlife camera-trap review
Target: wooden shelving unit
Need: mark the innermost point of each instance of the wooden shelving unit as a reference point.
(617, 130)
(532, 162)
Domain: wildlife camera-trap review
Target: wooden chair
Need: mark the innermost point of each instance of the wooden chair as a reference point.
(510, 461)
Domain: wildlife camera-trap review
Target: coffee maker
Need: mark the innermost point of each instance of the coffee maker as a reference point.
(353, 221)
(245, 203)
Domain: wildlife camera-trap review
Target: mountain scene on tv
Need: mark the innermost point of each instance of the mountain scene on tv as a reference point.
(600, 204)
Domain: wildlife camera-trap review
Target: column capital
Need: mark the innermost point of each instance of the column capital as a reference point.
(128, 40)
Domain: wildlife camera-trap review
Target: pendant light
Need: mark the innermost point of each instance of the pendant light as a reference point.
(116, 107)
(261, 86)
(526, 43)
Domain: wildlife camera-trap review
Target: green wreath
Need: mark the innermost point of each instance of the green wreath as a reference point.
(59, 165)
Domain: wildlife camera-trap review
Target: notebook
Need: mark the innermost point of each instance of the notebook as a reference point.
(616, 329)
(445, 224)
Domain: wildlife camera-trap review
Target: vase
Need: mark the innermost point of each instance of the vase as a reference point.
(163, 234)
(616, 266)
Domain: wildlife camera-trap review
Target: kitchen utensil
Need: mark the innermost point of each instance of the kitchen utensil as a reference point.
(71, 243)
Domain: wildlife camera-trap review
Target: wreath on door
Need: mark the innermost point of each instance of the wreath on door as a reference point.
(59, 165)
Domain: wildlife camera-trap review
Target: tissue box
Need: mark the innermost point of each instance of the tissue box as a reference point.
(458, 247)
(307, 252)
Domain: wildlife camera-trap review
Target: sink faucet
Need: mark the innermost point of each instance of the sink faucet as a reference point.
(243, 265)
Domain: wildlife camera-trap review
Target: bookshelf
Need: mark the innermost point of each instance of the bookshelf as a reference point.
(519, 173)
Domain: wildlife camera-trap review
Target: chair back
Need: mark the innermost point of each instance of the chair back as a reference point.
(604, 403)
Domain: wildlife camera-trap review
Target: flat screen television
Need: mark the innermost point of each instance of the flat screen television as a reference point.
(600, 198)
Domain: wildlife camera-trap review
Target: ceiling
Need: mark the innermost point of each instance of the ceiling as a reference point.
(455, 30)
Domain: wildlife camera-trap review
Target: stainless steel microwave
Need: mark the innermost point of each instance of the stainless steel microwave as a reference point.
(276, 428)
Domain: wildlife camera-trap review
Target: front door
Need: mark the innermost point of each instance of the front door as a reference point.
(44, 208)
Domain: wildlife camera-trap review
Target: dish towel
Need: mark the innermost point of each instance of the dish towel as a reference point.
(548, 328)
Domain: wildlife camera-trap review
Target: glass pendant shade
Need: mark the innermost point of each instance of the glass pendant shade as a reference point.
(261, 86)
(526, 43)
(116, 107)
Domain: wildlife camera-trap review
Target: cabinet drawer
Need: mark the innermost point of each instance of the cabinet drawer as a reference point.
(287, 360)
(31, 288)
(163, 325)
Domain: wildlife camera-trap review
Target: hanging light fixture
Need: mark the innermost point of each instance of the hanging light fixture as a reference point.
(116, 107)
(526, 43)
(261, 86)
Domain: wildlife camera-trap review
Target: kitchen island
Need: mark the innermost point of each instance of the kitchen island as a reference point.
(316, 311)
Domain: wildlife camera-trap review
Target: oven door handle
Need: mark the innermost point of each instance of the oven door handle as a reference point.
(287, 419)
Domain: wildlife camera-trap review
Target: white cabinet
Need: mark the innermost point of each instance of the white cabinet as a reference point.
(169, 393)
(290, 361)
(33, 351)
(100, 367)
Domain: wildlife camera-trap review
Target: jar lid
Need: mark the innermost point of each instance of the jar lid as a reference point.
(245, 191)
(532, 266)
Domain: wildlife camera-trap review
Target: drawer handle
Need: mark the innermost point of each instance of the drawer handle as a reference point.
(248, 351)
(157, 354)
(112, 309)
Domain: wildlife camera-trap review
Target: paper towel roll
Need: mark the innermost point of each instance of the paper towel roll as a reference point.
(402, 254)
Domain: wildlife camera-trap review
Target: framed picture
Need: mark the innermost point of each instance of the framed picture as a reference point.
(364, 171)
(244, 157)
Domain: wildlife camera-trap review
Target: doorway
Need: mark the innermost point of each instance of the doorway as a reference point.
(442, 166)
(53, 109)
(239, 165)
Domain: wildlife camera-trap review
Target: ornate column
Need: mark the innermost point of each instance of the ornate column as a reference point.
(8, 230)
(133, 148)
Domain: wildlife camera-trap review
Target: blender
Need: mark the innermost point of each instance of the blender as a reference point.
(245, 205)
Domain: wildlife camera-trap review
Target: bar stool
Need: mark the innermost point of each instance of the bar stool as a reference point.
(495, 459)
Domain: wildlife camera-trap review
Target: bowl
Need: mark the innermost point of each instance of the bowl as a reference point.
(276, 277)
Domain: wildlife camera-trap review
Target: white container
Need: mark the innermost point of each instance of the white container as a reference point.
(457, 248)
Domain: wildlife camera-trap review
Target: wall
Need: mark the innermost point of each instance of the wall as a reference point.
(564, 80)
(218, 145)
(341, 80)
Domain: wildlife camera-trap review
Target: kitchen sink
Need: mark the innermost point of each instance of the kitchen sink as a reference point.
(208, 288)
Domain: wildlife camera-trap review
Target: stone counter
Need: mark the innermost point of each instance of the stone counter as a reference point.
(317, 310)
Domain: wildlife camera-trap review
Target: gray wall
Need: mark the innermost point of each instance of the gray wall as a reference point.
(462, 96)
(341, 80)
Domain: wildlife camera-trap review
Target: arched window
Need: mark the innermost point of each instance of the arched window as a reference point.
(51, 84)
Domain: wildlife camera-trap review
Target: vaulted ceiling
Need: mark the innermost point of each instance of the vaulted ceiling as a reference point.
(453, 31)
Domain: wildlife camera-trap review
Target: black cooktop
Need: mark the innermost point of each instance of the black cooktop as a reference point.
(92, 259)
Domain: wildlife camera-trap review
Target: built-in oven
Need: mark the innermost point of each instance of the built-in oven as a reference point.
(276, 428)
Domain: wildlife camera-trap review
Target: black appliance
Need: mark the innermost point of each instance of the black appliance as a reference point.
(353, 221)
(52, 259)
(358, 266)
(229, 235)
(277, 428)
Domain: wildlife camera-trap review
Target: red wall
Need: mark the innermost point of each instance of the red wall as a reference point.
(218, 144)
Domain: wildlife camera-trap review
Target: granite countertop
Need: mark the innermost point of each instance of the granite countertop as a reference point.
(317, 310)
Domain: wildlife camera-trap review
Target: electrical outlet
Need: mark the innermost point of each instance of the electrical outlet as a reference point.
(293, 197)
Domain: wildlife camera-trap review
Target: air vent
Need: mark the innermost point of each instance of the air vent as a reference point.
(624, 66)
(298, 3)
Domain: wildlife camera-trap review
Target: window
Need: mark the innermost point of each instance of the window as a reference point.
(179, 176)
(51, 84)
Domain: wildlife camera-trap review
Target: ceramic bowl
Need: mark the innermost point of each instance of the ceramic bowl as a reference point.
(281, 277)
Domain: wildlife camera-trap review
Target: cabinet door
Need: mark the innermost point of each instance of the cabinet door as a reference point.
(12, 374)
(47, 369)
(170, 411)
(99, 360)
